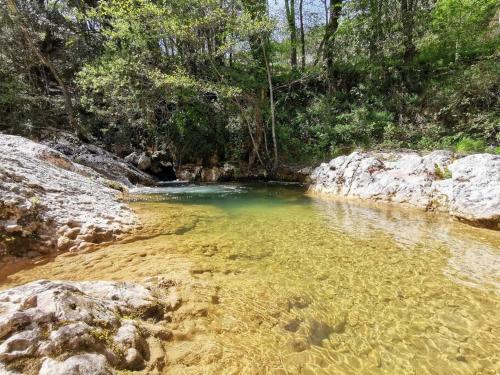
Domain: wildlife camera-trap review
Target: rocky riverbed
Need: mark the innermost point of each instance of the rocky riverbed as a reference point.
(53, 328)
(468, 188)
(98, 327)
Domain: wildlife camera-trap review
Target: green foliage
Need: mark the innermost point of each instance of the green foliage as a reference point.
(467, 145)
(442, 174)
(459, 30)
(189, 77)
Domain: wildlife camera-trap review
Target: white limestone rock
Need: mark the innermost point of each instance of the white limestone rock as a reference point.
(76, 317)
(476, 188)
(467, 188)
(82, 364)
(49, 202)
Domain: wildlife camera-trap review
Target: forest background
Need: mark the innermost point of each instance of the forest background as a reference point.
(264, 82)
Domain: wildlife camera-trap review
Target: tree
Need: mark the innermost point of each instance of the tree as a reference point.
(408, 8)
(302, 35)
(31, 43)
(290, 16)
(329, 39)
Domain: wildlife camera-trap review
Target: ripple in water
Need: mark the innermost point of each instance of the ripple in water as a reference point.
(307, 286)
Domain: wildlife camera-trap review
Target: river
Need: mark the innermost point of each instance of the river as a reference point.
(300, 284)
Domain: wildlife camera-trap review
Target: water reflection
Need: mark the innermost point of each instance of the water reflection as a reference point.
(474, 253)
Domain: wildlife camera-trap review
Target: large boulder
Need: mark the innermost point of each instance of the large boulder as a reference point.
(476, 189)
(79, 328)
(144, 162)
(287, 173)
(100, 160)
(158, 164)
(467, 188)
(48, 202)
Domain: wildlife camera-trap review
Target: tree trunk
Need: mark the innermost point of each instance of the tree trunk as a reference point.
(259, 131)
(325, 4)
(329, 39)
(68, 106)
(271, 103)
(302, 35)
(290, 16)
(408, 22)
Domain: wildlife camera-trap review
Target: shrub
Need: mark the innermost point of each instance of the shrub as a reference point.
(467, 144)
(493, 150)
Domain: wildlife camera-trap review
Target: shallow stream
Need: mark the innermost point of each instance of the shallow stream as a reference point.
(312, 286)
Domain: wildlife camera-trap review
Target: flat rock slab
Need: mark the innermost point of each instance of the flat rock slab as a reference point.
(467, 188)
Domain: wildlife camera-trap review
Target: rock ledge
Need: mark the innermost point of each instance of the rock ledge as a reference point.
(61, 327)
(48, 202)
(467, 188)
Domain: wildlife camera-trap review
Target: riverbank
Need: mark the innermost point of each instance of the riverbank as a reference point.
(49, 203)
(467, 188)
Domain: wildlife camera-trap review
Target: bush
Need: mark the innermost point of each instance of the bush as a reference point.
(442, 174)
(494, 150)
(470, 145)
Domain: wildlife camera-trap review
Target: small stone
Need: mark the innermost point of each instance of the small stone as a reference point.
(298, 345)
(63, 243)
(134, 359)
(173, 301)
(13, 228)
(72, 233)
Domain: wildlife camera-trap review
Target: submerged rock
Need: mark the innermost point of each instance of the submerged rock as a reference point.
(48, 202)
(75, 327)
(467, 188)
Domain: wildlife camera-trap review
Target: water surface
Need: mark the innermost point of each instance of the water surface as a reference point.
(312, 286)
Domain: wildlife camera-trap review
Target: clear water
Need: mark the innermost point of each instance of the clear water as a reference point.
(305, 285)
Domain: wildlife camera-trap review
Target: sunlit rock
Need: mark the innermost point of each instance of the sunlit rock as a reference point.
(94, 364)
(476, 188)
(467, 188)
(46, 320)
(48, 202)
